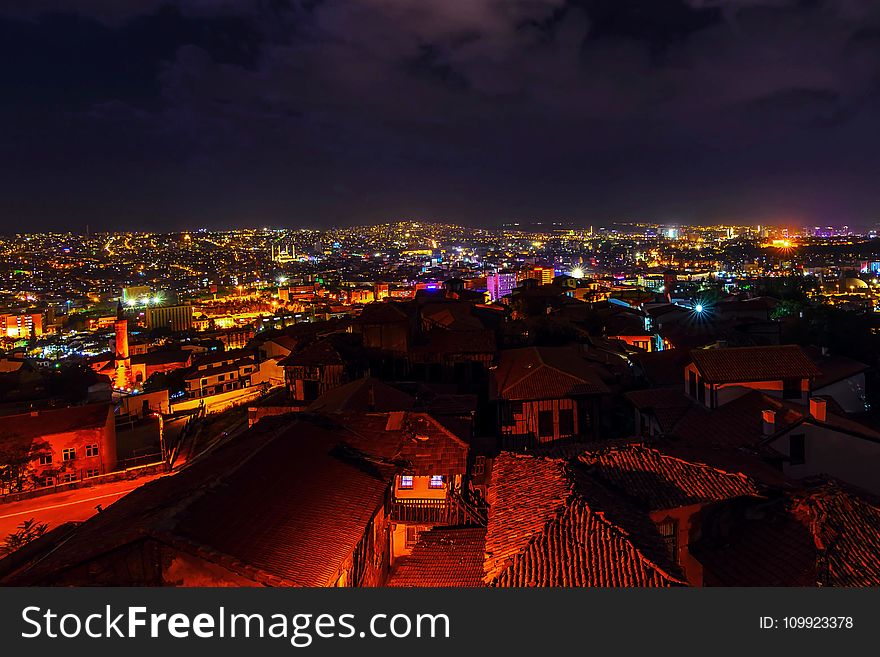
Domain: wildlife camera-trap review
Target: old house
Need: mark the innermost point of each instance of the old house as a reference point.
(323, 365)
(715, 376)
(219, 372)
(46, 448)
(545, 394)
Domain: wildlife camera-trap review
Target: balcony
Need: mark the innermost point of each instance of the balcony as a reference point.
(452, 510)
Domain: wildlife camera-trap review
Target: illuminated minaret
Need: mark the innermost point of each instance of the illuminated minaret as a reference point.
(122, 360)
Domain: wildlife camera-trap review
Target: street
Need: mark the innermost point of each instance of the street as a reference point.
(74, 505)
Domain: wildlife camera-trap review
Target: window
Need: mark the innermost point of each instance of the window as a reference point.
(479, 466)
(92, 472)
(436, 481)
(68, 454)
(406, 481)
(669, 532)
(92, 450)
(566, 422)
(204, 382)
(46, 482)
(222, 377)
(516, 407)
(45, 459)
(545, 424)
(797, 449)
(791, 389)
(68, 477)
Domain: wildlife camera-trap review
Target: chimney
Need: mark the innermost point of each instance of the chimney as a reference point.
(817, 408)
(769, 418)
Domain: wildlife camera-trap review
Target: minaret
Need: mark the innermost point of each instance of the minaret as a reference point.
(122, 360)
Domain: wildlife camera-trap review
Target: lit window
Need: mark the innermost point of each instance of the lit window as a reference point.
(69, 454)
(92, 450)
(436, 481)
(406, 481)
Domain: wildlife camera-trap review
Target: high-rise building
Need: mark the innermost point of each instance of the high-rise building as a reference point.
(544, 273)
(21, 326)
(500, 284)
(177, 318)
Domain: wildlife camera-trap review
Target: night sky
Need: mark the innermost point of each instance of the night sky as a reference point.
(149, 114)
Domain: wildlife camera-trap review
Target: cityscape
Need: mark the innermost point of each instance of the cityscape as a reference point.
(426, 404)
(441, 294)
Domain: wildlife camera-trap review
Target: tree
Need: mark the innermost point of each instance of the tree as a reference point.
(17, 458)
(28, 531)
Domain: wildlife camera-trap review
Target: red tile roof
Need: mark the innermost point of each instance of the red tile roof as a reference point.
(41, 424)
(825, 535)
(846, 532)
(545, 373)
(444, 556)
(551, 526)
(581, 548)
(667, 405)
(767, 547)
(525, 495)
(282, 504)
(659, 481)
(742, 364)
(315, 515)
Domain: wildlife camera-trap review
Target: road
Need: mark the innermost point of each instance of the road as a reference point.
(58, 508)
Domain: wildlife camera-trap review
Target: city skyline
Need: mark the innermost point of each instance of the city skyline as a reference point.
(161, 115)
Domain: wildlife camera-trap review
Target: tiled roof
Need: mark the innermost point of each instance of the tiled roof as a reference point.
(735, 364)
(738, 423)
(364, 395)
(769, 547)
(659, 481)
(162, 357)
(526, 493)
(834, 368)
(581, 548)
(846, 532)
(552, 526)
(825, 535)
(668, 405)
(444, 556)
(317, 511)
(452, 315)
(664, 368)
(39, 424)
(444, 341)
(545, 373)
(417, 442)
(381, 312)
(282, 504)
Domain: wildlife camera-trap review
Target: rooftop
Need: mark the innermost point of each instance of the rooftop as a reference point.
(743, 364)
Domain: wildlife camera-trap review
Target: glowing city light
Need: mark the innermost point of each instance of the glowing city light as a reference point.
(577, 272)
(698, 308)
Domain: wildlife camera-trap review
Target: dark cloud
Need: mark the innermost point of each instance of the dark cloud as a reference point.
(316, 112)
